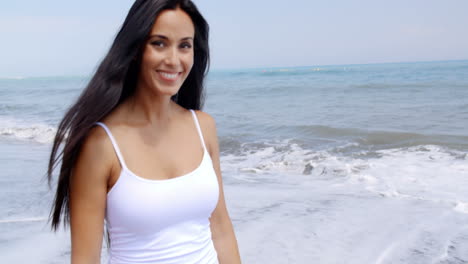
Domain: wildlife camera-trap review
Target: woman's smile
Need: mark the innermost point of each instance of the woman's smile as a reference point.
(169, 76)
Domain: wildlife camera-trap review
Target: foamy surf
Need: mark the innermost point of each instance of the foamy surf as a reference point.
(422, 172)
(461, 207)
(401, 205)
(21, 130)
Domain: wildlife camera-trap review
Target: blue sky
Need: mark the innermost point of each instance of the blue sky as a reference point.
(56, 37)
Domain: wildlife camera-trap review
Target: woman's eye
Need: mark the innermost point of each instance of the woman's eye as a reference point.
(186, 45)
(157, 43)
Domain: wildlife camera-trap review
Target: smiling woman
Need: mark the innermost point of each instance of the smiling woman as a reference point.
(169, 51)
(137, 156)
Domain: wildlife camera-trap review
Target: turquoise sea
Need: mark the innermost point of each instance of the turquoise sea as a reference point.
(322, 164)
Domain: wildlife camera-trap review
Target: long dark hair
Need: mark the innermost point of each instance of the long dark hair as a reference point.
(114, 81)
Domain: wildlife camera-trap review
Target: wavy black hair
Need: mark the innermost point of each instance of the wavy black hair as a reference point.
(113, 82)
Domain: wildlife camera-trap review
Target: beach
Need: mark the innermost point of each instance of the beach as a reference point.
(321, 164)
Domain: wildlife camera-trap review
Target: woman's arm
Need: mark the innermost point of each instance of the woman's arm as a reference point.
(222, 231)
(88, 191)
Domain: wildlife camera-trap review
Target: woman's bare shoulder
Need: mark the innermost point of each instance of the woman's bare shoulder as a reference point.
(96, 153)
(97, 140)
(207, 122)
(208, 127)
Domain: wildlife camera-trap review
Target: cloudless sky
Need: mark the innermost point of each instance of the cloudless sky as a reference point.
(57, 37)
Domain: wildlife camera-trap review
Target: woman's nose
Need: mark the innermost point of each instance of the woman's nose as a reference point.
(172, 56)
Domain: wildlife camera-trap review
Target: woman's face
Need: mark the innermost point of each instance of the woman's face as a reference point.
(168, 53)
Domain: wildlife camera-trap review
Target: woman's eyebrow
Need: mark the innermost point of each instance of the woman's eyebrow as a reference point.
(166, 38)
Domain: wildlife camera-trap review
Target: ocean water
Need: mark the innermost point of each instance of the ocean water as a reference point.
(321, 164)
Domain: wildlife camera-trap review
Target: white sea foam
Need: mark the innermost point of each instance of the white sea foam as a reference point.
(428, 173)
(22, 130)
(461, 207)
(397, 206)
(422, 173)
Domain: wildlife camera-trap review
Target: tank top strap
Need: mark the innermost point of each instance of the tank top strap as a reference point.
(198, 128)
(114, 144)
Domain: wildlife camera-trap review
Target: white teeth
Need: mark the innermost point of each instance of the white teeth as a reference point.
(169, 75)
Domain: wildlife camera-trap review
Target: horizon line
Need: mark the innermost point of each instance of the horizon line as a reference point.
(235, 69)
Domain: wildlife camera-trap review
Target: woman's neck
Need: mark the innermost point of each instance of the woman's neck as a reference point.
(150, 108)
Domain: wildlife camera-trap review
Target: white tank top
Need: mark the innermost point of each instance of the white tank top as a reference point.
(162, 221)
